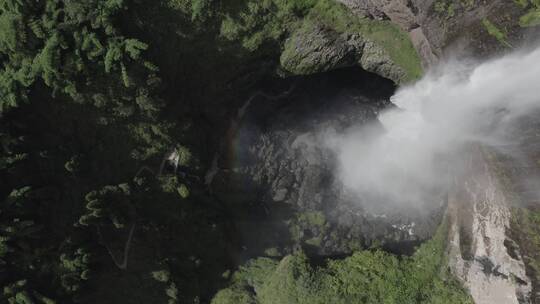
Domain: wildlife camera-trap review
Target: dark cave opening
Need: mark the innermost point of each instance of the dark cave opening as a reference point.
(311, 93)
(281, 197)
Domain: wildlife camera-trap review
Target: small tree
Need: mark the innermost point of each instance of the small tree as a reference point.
(109, 205)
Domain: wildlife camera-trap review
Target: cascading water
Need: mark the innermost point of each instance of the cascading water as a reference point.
(459, 103)
(434, 139)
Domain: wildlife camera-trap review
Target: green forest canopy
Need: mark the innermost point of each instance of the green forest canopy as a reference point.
(90, 104)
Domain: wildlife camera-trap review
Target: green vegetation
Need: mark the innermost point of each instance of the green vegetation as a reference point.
(450, 11)
(110, 112)
(522, 3)
(312, 219)
(309, 221)
(532, 17)
(494, 31)
(263, 21)
(448, 8)
(268, 21)
(524, 222)
(19, 293)
(84, 127)
(526, 230)
(365, 277)
(440, 7)
(164, 276)
(394, 41)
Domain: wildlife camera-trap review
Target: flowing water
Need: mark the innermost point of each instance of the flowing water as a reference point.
(459, 103)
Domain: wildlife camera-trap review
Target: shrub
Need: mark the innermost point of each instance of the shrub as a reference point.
(364, 277)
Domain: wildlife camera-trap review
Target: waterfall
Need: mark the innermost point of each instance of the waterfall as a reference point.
(409, 150)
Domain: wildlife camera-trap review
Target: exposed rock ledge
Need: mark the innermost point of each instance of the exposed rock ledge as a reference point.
(400, 14)
(315, 49)
(438, 27)
(478, 237)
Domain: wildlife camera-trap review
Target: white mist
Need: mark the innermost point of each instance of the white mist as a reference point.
(408, 151)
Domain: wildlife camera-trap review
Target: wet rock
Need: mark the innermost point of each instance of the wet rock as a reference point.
(283, 156)
(398, 11)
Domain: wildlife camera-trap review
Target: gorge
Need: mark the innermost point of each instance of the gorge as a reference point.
(275, 151)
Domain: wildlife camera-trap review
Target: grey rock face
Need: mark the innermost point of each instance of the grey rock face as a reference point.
(284, 159)
(423, 47)
(400, 13)
(374, 59)
(479, 212)
(315, 49)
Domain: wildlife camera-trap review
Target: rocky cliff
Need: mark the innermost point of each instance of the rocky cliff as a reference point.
(482, 252)
(488, 248)
(439, 28)
(281, 155)
(271, 161)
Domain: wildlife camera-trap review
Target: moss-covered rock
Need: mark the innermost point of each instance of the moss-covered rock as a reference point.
(364, 277)
(376, 59)
(330, 37)
(320, 35)
(314, 49)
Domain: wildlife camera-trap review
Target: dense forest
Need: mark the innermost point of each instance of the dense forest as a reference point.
(110, 112)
